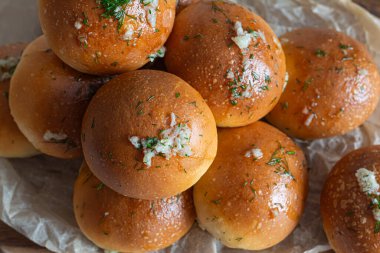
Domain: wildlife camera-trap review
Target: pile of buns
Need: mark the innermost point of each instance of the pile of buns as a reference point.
(165, 147)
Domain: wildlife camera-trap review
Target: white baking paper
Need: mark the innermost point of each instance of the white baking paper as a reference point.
(36, 193)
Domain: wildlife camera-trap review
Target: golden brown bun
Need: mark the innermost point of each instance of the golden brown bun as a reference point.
(200, 50)
(48, 99)
(12, 142)
(346, 211)
(99, 46)
(247, 203)
(140, 103)
(334, 85)
(123, 224)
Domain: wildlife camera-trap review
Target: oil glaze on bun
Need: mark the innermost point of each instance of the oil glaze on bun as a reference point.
(350, 202)
(148, 134)
(118, 223)
(231, 56)
(253, 195)
(334, 85)
(99, 37)
(48, 100)
(12, 142)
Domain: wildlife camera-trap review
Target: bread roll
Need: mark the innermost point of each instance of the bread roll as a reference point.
(148, 134)
(253, 195)
(12, 141)
(48, 99)
(123, 224)
(104, 37)
(334, 85)
(350, 202)
(231, 56)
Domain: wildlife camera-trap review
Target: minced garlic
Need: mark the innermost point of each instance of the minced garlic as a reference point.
(367, 181)
(7, 67)
(54, 137)
(369, 185)
(256, 153)
(171, 142)
(160, 53)
(150, 7)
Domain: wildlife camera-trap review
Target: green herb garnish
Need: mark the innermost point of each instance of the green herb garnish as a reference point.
(85, 19)
(198, 36)
(99, 186)
(320, 53)
(307, 83)
(216, 201)
(377, 227)
(115, 8)
(285, 105)
(150, 98)
(267, 79)
(151, 142)
(278, 160)
(344, 47)
(139, 104)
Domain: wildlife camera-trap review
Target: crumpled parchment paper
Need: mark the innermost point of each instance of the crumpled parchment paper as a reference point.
(35, 193)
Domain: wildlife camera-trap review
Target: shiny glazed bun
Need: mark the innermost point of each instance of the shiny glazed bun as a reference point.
(350, 203)
(253, 195)
(148, 134)
(104, 37)
(123, 224)
(334, 85)
(231, 56)
(12, 142)
(48, 99)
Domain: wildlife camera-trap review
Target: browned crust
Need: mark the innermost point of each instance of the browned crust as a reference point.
(12, 142)
(331, 87)
(252, 204)
(50, 96)
(200, 51)
(347, 217)
(119, 223)
(105, 51)
(140, 103)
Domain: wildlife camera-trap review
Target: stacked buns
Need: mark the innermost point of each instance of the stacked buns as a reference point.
(12, 141)
(231, 56)
(48, 100)
(350, 202)
(333, 86)
(148, 136)
(106, 37)
(125, 224)
(148, 128)
(253, 195)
